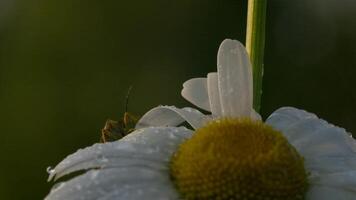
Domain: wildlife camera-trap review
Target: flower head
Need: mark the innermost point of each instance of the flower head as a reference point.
(231, 154)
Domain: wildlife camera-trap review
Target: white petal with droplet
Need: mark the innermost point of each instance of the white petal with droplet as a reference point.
(171, 116)
(325, 141)
(235, 79)
(95, 184)
(286, 116)
(159, 136)
(150, 147)
(195, 91)
(312, 137)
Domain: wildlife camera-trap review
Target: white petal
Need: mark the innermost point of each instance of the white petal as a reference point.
(325, 141)
(150, 147)
(328, 164)
(255, 115)
(317, 192)
(143, 191)
(286, 116)
(214, 94)
(286, 119)
(312, 137)
(195, 91)
(341, 180)
(235, 79)
(98, 183)
(171, 116)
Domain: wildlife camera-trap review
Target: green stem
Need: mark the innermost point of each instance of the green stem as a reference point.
(255, 44)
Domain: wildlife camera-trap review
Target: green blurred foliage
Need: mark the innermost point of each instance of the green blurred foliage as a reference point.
(65, 67)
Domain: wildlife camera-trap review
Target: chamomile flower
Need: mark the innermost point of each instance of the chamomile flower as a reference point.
(231, 154)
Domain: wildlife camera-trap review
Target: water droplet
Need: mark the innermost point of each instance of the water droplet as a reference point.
(50, 170)
(172, 136)
(94, 174)
(102, 158)
(78, 187)
(189, 109)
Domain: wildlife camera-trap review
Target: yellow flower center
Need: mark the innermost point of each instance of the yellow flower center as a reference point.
(238, 159)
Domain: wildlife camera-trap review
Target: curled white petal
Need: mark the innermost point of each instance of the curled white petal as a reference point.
(235, 79)
(171, 116)
(195, 91)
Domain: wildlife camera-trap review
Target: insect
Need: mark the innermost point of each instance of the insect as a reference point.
(115, 130)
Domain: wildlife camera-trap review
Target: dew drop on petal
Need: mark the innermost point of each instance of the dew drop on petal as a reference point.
(50, 170)
(189, 110)
(172, 136)
(78, 187)
(94, 174)
(102, 158)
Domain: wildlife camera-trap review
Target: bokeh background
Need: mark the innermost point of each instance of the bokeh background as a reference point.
(65, 67)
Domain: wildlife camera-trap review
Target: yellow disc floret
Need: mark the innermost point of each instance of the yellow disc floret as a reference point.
(238, 159)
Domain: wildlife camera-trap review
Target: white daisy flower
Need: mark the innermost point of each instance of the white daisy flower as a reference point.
(231, 154)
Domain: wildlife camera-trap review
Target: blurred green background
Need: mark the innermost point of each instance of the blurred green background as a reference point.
(65, 67)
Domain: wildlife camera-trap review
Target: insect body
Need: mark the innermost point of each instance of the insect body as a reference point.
(115, 130)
